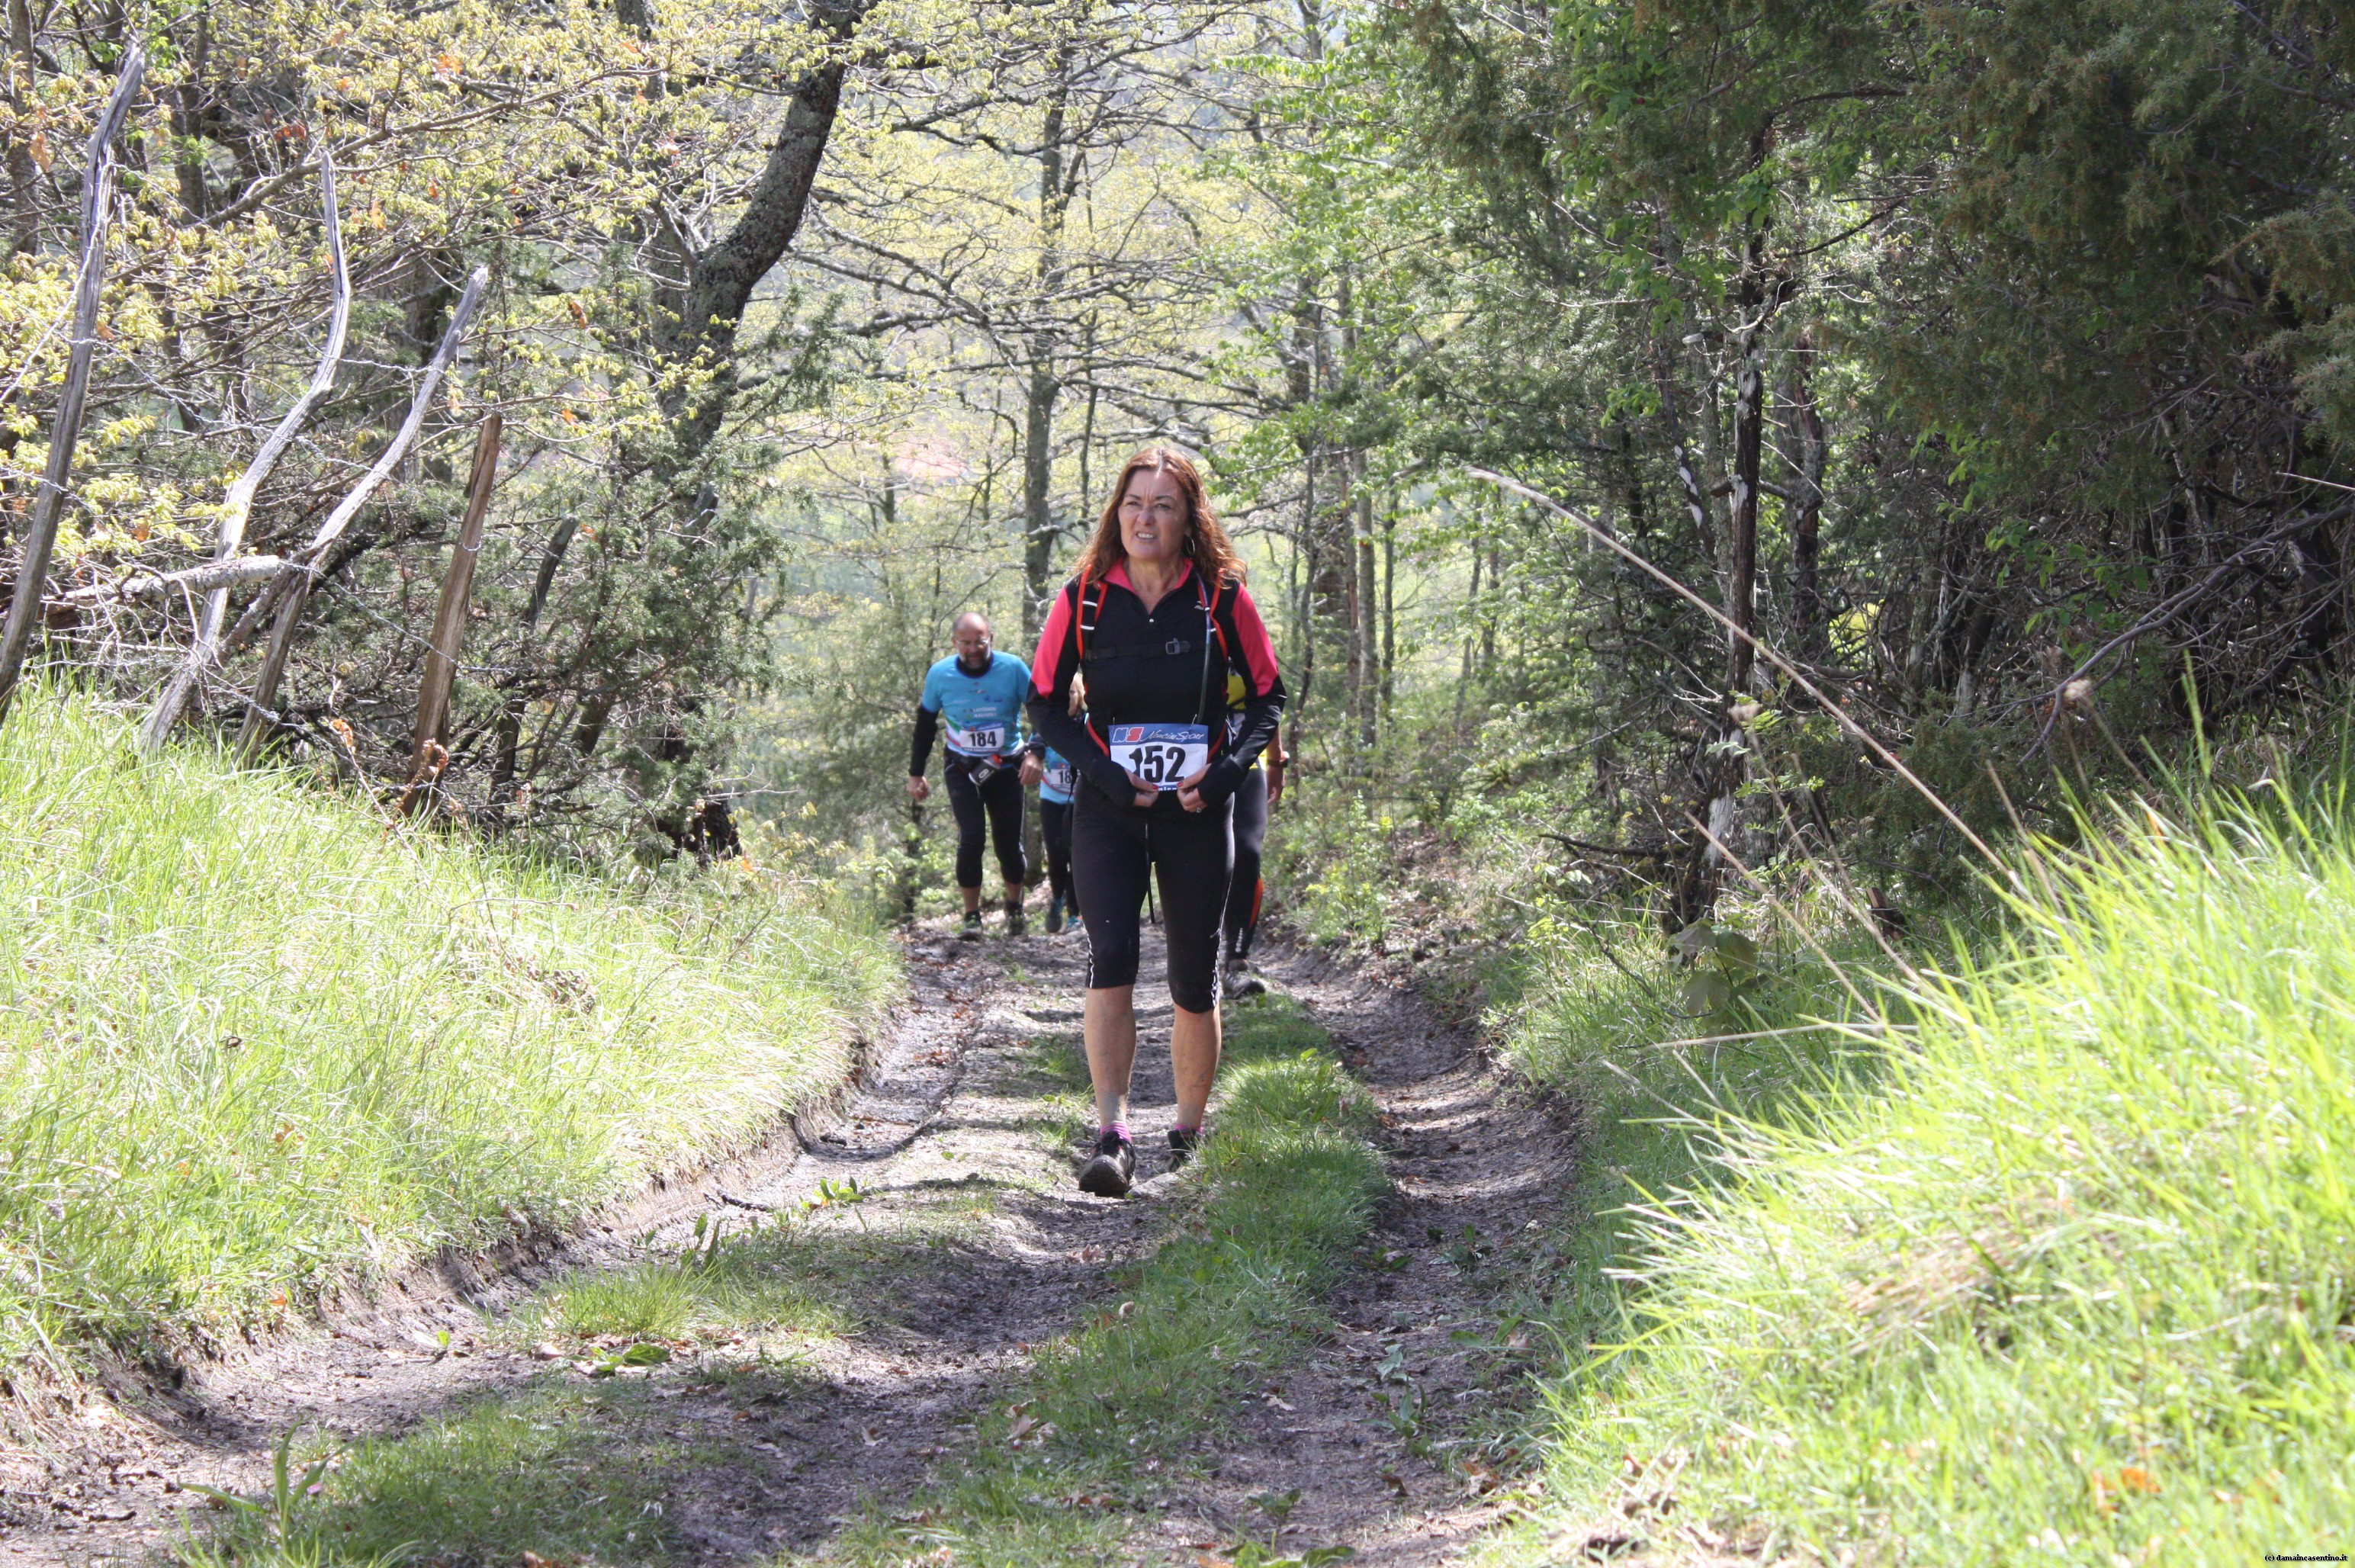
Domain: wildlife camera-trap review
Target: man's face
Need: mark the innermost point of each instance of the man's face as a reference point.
(973, 644)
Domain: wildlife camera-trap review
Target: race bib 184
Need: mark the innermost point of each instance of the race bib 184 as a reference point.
(981, 741)
(1162, 754)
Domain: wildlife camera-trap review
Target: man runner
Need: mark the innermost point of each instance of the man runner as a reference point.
(976, 694)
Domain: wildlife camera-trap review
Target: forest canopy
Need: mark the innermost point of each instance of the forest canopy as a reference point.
(1990, 365)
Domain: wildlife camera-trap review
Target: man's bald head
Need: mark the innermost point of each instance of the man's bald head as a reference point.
(972, 639)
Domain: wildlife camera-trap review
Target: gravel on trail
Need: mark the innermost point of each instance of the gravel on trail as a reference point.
(950, 1111)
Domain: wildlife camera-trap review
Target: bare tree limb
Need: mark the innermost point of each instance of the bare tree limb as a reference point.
(237, 505)
(294, 587)
(214, 576)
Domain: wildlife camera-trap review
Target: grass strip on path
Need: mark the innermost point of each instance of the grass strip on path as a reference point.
(254, 1040)
(1283, 1188)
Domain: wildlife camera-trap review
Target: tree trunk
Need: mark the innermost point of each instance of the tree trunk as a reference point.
(510, 732)
(1039, 531)
(1370, 673)
(22, 174)
(41, 536)
(720, 280)
(1749, 431)
(1809, 635)
(1724, 757)
(1389, 602)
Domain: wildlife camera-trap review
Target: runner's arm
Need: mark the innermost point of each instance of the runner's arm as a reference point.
(1051, 673)
(920, 754)
(1263, 702)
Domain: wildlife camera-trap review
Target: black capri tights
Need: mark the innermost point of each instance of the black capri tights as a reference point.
(1055, 833)
(996, 802)
(1244, 892)
(1115, 849)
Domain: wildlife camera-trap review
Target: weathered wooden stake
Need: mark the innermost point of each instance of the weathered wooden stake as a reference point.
(41, 537)
(449, 620)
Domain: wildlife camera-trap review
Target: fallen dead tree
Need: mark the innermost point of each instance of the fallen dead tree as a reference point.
(236, 505)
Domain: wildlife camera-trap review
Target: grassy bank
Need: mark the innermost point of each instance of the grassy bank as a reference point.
(1279, 1194)
(252, 1040)
(2070, 1281)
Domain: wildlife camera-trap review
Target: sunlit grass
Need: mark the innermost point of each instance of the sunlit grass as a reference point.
(2073, 1282)
(252, 1040)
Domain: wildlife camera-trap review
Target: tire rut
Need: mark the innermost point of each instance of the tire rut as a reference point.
(958, 1130)
(948, 1106)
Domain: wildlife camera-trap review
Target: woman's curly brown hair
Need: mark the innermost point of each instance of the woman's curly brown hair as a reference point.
(1206, 545)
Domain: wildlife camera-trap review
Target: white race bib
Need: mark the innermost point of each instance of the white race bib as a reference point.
(1162, 754)
(981, 741)
(1061, 777)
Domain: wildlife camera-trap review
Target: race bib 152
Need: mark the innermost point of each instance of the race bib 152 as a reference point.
(1163, 755)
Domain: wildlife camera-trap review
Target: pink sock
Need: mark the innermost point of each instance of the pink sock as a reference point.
(1119, 1129)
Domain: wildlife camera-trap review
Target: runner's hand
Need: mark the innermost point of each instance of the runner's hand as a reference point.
(1275, 785)
(919, 788)
(1189, 788)
(1033, 769)
(1145, 794)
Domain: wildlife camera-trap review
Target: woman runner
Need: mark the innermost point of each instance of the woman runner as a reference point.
(1159, 617)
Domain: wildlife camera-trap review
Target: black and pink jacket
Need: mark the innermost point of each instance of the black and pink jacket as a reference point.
(1169, 665)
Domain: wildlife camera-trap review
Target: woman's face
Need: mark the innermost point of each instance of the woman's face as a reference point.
(1153, 516)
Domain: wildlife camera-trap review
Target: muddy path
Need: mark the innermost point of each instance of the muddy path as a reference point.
(967, 1246)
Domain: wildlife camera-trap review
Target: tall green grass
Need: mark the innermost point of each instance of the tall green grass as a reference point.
(2075, 1281)
(253, 1041)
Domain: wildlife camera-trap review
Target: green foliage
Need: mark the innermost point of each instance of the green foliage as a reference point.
(2071, 1279)
(258, 1040)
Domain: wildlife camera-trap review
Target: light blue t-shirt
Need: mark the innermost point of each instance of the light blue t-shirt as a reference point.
(981, 715)
(1061, 778)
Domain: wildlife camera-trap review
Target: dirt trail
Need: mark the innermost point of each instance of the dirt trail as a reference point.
(960, 1131)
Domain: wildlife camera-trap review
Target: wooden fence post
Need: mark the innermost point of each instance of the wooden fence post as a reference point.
(41, 537)
(449, 620)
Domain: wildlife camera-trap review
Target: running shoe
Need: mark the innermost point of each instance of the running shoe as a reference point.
(1182, 1144)
(1108, 1174)
(1055, 917)
(1241, 982)
(972, 932)
(1015, 924)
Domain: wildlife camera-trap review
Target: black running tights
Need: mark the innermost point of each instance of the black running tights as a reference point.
(996, 802)
(1245, 890)
(1055, 832)
(1115, 851)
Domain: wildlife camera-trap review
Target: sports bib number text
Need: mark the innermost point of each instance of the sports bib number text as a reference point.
(1163, 755)
(981, 741)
